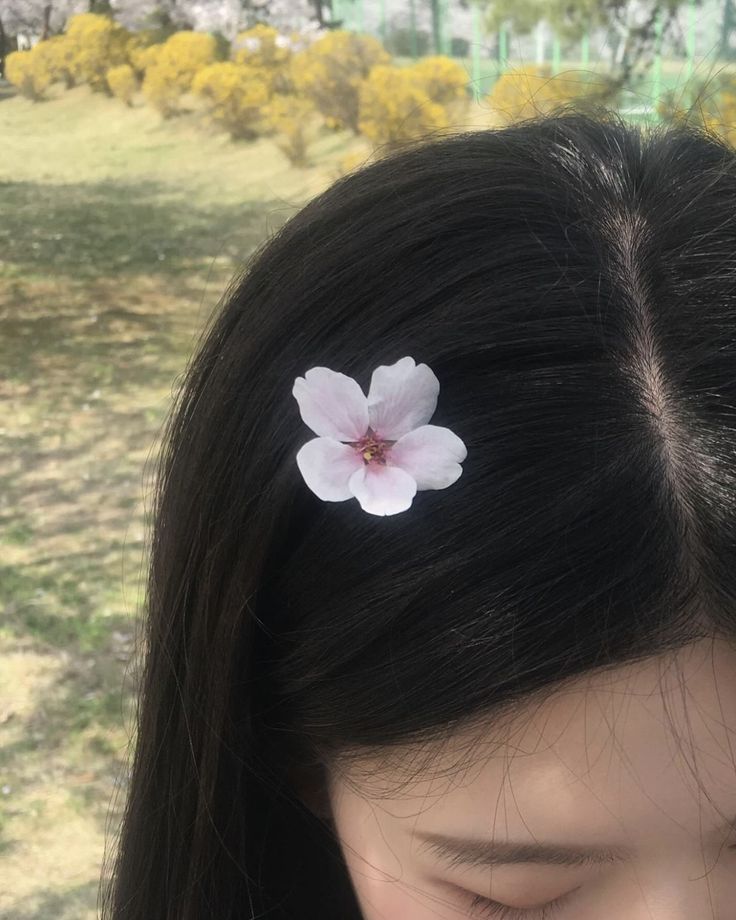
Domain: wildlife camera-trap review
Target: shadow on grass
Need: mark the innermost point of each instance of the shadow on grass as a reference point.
(91, 345)
(101, 304)
(68, 904)
(112, 228)
(45, 600)
(81, 698)
(95, 327)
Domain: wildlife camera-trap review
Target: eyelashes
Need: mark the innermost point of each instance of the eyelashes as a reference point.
(483, 907)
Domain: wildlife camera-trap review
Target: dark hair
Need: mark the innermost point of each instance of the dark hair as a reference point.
(571, 281)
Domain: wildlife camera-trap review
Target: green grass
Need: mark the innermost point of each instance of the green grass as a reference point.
(118, 235)
(84, 230)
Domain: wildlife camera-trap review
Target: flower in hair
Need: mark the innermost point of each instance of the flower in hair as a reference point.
(378, 449)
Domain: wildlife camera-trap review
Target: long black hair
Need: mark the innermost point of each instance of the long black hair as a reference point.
(571, 281)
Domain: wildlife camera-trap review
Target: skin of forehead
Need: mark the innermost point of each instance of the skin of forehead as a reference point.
(623, 754)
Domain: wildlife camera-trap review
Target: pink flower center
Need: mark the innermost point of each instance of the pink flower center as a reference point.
(372, 448)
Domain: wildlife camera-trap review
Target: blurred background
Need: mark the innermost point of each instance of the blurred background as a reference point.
(147, 147)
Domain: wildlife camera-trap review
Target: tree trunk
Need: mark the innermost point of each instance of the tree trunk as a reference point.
(317, 4)
(2, 48)
(46, 22)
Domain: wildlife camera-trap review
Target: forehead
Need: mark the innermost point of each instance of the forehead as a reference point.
(635, 752)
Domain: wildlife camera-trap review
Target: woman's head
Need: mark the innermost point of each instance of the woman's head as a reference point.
(572, 283)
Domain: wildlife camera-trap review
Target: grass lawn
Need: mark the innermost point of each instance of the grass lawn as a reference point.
(118, 236)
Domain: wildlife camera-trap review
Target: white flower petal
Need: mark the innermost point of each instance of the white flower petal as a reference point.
(327, 466)
(332, 404)
(402, 396)
(431, 455)
(383, 489)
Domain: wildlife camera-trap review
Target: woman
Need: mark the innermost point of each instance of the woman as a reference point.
(489, 671)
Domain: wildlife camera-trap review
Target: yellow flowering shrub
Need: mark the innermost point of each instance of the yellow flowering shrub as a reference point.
(96, 44)
(235, 95)
(723, 124)
(712, 109)
(123, 83)
(292, 119)
(175, 65)
(521, 94)
(30, 71)
(332, 69)
(142, 52)
(61, 54)
(395, 107)
(264, 49)
(444, 81)
(141, 59)
(350, 163)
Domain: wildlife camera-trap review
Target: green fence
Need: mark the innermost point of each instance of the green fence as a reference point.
(639, 100)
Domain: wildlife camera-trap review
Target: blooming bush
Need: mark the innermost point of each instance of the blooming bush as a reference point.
(123, 83)
(235, 95)
(263, 49)
(174, 67)
(95, 44)
(395, 107)
(331, 70)
(709, 105)
(142, 52)
(292, 119)
(30, 71)
(61, 53)
(722, 121)
(444, 80)
(351, 162)
(518, 95)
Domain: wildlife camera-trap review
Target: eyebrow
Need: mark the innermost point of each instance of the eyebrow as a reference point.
(458, 851)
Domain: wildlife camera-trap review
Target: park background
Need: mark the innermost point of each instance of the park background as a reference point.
(146, 150)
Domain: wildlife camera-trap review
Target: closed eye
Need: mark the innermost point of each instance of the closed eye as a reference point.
(484, 907)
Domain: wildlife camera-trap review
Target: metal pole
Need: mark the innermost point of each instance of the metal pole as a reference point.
(383, 21)
(690, 38)
(556, 54)
(585, 49)
(476, 53)
(440, 27)
(413, 11)
(657, 85)
(540, 36)
(502, 55)
(337, 11)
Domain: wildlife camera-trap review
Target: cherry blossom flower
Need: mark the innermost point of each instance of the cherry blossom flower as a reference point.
(378, 449)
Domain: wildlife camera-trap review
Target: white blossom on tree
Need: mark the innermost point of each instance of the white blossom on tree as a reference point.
(226, 16)
(35, 18)
(41, 18)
